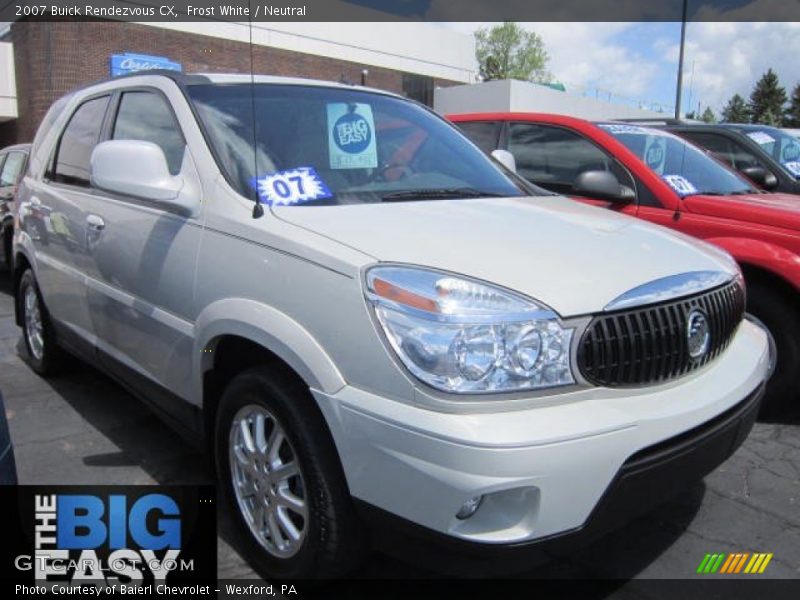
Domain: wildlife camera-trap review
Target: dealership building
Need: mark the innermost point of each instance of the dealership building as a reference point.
(41, 61)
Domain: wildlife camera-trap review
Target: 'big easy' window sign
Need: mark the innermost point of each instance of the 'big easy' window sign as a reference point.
(351, 136)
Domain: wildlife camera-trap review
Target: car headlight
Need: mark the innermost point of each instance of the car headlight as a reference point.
(463, 336)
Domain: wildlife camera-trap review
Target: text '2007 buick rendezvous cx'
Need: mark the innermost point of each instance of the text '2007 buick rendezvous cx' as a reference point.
(366, 319)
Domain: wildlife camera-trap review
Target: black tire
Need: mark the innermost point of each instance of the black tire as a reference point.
(781, 315)
(50, 359)
(332, 545)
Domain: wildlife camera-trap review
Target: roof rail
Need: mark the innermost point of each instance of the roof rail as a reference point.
(658, 121)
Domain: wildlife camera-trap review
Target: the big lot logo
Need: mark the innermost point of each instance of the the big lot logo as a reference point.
(130, 535)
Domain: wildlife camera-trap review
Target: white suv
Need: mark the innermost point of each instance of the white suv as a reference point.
(362, 315)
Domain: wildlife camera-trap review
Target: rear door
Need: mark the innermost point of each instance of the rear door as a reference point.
(55, 218)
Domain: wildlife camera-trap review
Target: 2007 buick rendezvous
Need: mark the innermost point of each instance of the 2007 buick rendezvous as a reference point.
(403, 332)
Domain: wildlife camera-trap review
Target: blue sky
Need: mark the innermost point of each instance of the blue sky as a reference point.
(636, 63)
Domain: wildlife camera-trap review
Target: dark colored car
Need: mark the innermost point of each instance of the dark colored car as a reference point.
(769, 156)
(13, 162)
(8, 469)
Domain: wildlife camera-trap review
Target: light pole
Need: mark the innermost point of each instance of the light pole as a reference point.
(680, 63)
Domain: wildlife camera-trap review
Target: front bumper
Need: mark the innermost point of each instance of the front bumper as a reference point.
(552, 469)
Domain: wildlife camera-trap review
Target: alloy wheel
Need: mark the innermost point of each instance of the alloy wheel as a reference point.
(267, 481)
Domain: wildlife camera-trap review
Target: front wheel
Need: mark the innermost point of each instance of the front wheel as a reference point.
(781, 316)
(277, 465)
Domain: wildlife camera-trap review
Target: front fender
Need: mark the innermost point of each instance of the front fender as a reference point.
(270, 328)
(776, 259)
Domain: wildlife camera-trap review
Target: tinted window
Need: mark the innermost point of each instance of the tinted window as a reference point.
(348, 145)
(79, 139)
(483, 133)
(147, 117)
(12, 168)
(724, 149)
(553, 157)
(781, 146)
(684, 167)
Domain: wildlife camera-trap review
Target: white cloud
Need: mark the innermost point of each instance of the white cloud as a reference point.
(586, 58)
(729, 58)
(584, 55)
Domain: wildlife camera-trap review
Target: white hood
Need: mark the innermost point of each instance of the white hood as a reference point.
(572, 257)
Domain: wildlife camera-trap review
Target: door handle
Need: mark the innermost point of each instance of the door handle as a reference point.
(95, 223)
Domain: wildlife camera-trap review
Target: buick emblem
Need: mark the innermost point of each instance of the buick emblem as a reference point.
(698, 334)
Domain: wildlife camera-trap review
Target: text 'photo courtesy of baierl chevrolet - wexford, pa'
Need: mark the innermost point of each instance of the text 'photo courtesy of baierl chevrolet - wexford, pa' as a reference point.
(321, 299)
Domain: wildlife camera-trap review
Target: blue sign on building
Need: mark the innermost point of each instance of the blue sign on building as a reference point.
(122, 64)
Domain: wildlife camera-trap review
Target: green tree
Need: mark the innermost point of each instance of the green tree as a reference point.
(736, 110)
(508, 51)
(767, 100)
(792, 116)
(708, 116)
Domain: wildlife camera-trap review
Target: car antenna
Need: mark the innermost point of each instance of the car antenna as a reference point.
(258, 208)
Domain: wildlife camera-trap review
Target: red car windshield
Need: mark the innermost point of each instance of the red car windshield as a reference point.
(685, 168)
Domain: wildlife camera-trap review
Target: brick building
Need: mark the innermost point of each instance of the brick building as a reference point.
(40, 61)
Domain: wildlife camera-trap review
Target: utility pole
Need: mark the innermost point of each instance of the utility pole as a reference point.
(680, 63)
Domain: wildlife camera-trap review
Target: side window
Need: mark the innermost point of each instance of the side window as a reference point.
(724, 149)
(719, 146)
(483, 134)
(71, 164)
(146, 116)
(743, 158)
(12, 169)
(553, 157)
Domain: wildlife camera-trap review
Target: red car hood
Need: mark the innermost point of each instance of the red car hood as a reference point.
(777, 210)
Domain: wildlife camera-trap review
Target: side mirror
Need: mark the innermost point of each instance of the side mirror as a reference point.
(604, 186)
(139, 169)
(761, 177)
(505, 158)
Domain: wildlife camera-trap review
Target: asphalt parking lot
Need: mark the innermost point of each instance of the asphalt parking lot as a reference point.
(82, 428)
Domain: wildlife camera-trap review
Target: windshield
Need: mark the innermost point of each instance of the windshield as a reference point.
(685, 168)
(781, 146)
(313, 146)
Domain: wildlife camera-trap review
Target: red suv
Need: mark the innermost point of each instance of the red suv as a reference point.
(657, 176)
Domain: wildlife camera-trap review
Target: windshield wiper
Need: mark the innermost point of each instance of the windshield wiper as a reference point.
(706, 193)
(438, 194)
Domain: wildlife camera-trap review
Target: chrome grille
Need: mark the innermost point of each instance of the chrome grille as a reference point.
(649, 344)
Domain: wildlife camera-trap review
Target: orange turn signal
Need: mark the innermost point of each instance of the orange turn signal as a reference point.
(384, 289)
